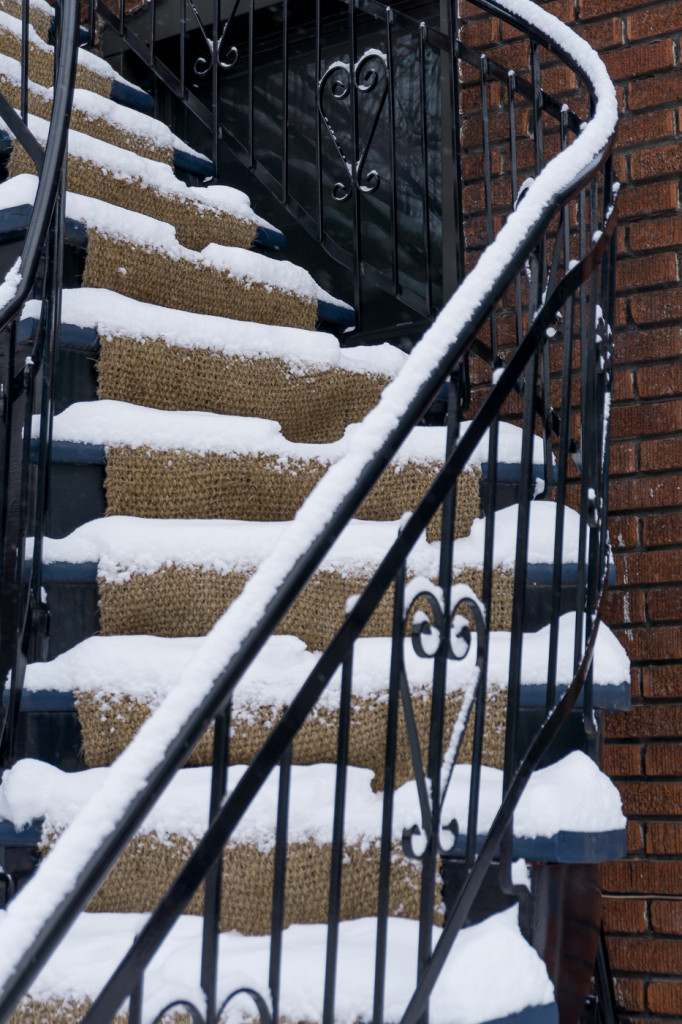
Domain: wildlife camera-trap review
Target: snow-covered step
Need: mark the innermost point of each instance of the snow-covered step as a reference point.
(139, 256)
(96, 944)
(115, 682)
(204, 465)
(102, 118)
(41, 15)
(569, 812)
(172, 359)
(175, 577)
(200, 216)
(92, 73)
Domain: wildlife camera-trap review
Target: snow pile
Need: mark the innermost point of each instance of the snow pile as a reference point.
(86, 59)
(97, 942)
(572, 795)
(130, 167)
(113, 315)
(122, 545)
(137, 229)
(96, 107)
(147, 668)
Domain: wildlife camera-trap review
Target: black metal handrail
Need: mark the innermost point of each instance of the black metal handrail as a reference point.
(23, 616)
(562, 281)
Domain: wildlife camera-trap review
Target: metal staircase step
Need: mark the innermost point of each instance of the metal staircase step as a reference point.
(201, 215)
(100, 117)
(109, 685)
(523, 993)
(141, 256)
(173, 359)
(92, 73)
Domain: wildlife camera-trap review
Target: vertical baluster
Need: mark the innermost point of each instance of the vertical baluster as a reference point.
(355, 156)
(215, 76)
(318, 123)
(435, 751)
(564, 439)
(212, 897)
(24, 59)
(513, 167)
(285, 103)
(451, 254)
(390, 81)
(487, 181)
(183, 47)
(152, 38)
(279, 882)
(579, 600)
(251, 44)
(424, 142)
(396, 669)
(91, 23)
(334, 908)
(519, 601)
(135, 1008)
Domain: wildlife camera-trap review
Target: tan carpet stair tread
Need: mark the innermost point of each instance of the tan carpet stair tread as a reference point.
(176, 577)
(139, 256)
(203, 465)
(103, 171)
(572, 795)
(62, 992)
(40, 15)
(92, 73)
(100, 117)
(117, 681)
(173, 359)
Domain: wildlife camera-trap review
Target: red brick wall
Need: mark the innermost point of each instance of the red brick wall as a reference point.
(640, 44)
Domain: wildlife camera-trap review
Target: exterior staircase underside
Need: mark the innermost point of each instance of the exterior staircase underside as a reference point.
(198, 404)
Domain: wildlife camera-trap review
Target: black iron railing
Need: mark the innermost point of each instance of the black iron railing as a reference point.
(535, 313)
(27, 377)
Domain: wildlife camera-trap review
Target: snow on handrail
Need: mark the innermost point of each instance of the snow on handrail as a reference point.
(32, 913)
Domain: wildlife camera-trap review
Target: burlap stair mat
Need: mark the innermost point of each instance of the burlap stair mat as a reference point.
(196, 224)
(178, 601)
(149, 865)
(37, 17)
(108, 723)
(41, 63)
(151, 275)
(150, 483)
(315, 407)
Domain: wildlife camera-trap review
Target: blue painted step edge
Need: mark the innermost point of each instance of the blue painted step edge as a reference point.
(561, 848)
(14, 224)
(330, 313)
(537, 572)
(606, 698)
(193, 163)
(71, 336)
(129, 96)
(29, 836)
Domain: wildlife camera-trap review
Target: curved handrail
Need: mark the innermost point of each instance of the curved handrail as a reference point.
(40, 915)
(50, 172)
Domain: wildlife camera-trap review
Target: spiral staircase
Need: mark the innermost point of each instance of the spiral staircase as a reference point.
(304, 675)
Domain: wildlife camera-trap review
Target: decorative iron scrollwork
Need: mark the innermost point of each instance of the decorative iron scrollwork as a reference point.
(198, 1017)
(202, 65)
(432, 635)
(339, 82)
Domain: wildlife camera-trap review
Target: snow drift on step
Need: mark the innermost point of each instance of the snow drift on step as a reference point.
(147, 668)
(465, 992)
(572, 795)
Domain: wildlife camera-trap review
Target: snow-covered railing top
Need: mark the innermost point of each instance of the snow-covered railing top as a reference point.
(42, 912)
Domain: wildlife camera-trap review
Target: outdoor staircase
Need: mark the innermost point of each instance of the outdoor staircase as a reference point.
(197, 406)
